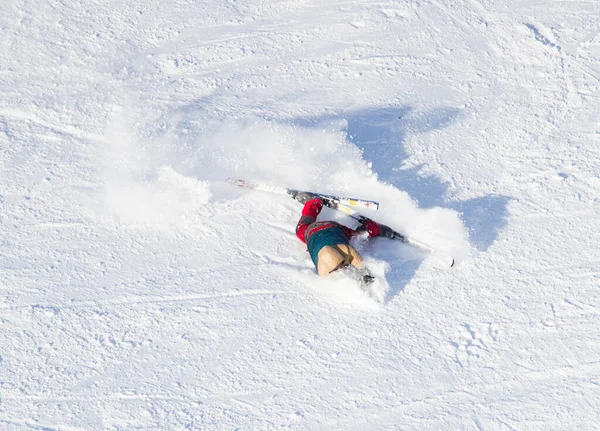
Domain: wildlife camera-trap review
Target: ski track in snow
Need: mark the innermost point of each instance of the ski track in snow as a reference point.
(138, 291)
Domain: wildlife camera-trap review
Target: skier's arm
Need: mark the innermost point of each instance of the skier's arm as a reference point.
(311, 210)
(372, 228)
(375, 229)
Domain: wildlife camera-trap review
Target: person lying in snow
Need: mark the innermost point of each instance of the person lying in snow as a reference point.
(328, 241)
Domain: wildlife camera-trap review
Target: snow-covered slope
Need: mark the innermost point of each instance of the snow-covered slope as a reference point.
(138, 291)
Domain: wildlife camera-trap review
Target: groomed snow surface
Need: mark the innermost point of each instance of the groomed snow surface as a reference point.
(140, 291)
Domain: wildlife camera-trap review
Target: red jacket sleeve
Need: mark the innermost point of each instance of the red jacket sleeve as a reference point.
(372, 228)
(311, 210)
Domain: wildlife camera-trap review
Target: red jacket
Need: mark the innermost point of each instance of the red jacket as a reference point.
(308, 225)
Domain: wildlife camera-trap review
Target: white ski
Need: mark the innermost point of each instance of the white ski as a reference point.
(265, 187)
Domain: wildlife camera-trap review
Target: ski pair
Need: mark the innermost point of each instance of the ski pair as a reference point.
(344, 205)
(350, 202)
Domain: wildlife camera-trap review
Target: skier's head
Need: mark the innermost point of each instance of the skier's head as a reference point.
(332, 258)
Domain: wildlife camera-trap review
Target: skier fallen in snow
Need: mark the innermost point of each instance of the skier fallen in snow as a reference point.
(331, 250)
(328, 241)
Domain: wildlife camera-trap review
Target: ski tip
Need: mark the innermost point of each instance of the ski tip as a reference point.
(452, 263)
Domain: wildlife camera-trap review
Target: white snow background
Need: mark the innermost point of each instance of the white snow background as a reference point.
(139, 291)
